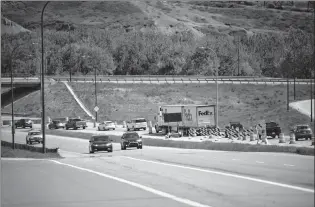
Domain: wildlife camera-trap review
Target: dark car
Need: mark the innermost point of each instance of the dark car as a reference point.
(302, 131)
(56, 124)
(131, 139)
(100, 143)
(76, 124)
(273, 129)
(24, 123)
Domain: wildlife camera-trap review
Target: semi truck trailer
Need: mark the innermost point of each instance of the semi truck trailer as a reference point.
(183, 117)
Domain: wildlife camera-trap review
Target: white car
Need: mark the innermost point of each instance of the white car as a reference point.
(106, 125)
(34, 136)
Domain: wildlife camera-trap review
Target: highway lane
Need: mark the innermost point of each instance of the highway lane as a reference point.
(46, 184)
(284, 168)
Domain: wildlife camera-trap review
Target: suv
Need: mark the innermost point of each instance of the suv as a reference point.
(302, 131)
(75, 124)
(131, 139)
(100, 143)
(34, 136)
(24, 123)
(137, 124)
(56, 124)
(273, 129)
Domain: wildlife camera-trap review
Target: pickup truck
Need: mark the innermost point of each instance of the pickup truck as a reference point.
(273, 129)
(75, 124)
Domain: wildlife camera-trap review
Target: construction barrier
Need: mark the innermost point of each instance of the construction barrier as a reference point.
(150, 127)
(281, 138)
(124, 124)
(251, 137)
(292, 138)
(313, 141)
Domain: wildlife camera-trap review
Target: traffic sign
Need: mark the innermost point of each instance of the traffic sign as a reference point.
(96, 108)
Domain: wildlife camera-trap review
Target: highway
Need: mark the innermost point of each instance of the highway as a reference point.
(157, 176)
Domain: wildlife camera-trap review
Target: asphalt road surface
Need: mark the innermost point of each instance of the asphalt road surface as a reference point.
(157, 177)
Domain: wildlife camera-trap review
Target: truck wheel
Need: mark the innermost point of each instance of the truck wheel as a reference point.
(145, 128)
(84, 127)
(75, 128)
(67, 128)
(128, 129)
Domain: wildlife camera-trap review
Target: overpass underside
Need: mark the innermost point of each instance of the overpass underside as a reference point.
(19, 91)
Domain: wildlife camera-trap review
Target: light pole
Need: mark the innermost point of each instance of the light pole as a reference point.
(217, 86)
(70, 52)
(42, 79)
(12, 97)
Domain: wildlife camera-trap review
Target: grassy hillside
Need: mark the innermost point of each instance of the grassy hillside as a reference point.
(119, 102)
(58, 103)
(245, 103)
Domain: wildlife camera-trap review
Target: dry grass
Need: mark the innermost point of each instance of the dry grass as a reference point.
(58, 103)
(18, 153)
(118, 102)
(244, 103)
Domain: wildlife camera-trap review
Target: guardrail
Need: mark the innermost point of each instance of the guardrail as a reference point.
(158, 78)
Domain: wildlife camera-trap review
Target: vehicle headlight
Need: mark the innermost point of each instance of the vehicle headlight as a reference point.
(108, 144)
(139, 140)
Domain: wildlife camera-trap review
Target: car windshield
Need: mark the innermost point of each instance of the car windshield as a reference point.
(302, 127)
(34, 133)
(101, 138)
(140, 120)
(109, 123)
(76, 119)
(131, 136)
(56, 122)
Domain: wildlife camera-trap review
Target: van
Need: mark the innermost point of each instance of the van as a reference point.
(137, 124)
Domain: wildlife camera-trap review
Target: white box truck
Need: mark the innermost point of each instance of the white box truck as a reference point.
(183, 117)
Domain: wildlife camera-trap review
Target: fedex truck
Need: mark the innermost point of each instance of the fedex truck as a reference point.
(183, 117)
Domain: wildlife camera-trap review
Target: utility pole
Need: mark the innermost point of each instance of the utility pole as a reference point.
(238, 56)
(294, 83)
(95, 95)
(12, 107)
(288, 88)
(42, 81)
(69, 51)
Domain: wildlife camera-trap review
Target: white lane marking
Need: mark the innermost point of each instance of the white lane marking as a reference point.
(259, 162)
(228, 174)
(145, 188)
(235, 159)
(288, 165)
